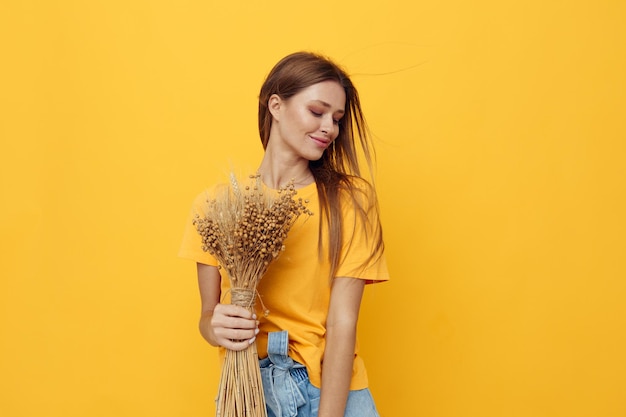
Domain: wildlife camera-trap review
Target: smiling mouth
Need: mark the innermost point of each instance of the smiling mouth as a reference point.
(321, 142)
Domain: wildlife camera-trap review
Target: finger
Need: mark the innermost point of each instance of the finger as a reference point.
(228, 316)
(238, 344)
(220, 321)
(235, 334)
(234, 311)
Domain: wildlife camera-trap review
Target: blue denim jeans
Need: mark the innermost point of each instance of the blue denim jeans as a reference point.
(288, 391)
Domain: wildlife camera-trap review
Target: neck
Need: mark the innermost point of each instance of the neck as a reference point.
(276, 172)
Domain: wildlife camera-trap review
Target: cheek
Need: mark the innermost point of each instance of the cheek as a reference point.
(300, 120)
(308, 122)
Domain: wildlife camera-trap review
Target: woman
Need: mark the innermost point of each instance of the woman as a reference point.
(312, 128)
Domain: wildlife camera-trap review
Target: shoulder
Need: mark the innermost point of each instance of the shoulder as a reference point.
(232, 183)
(358, 192)
(204, 198)
(358, 183)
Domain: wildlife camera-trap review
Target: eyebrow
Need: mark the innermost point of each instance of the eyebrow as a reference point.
(323, 103)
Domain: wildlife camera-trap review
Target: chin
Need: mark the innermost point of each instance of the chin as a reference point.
(314, 157)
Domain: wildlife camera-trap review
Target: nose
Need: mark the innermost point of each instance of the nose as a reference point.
(328, 125)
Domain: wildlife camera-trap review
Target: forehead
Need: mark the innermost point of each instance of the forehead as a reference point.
(330, 93)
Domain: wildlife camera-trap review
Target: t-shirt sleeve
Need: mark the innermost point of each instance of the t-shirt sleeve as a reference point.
(191, 246)
(361, 255)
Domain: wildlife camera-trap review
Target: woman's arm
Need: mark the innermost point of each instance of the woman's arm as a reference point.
(343, 313)
(226, 325)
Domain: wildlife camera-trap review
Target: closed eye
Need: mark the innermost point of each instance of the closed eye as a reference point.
(318, 114)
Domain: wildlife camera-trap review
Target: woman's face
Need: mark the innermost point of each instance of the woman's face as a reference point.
(308, 122)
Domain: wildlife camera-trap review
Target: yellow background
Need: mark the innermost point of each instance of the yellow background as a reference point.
(500, 129)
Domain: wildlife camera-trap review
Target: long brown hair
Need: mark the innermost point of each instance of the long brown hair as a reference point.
(337, 171)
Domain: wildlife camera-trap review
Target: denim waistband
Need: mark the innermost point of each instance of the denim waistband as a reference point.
(281, 376)
(298, 374)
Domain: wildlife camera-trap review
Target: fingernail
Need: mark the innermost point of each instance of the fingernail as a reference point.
(254, 316)
(251, 341)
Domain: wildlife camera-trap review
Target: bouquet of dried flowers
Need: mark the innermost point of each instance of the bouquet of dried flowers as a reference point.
(244, 228)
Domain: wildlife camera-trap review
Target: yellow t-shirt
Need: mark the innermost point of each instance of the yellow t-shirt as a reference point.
(296, 287)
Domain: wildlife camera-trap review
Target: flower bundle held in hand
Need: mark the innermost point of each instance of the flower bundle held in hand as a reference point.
(244, 228)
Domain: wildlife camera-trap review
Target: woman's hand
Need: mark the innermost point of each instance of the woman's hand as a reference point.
(230, 326)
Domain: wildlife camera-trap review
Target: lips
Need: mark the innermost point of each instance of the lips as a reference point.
(321, 142)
